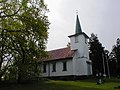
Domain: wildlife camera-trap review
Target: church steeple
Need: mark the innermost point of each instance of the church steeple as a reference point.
(78, 27)
(79, 39)
(79, 42)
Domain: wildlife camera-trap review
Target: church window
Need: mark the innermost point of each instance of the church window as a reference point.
(76, 39)
(64, 66)
(54, 67)
(86, 40)
(44, 68)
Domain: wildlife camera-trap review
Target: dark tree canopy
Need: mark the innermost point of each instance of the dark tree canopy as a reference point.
(96, 54)
(115, 58)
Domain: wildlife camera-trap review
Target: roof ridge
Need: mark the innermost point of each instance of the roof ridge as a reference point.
(58, 49)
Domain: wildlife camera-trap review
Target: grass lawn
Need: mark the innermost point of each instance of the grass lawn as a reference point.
(62, 85)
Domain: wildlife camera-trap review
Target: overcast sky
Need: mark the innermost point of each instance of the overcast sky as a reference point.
(101, 17)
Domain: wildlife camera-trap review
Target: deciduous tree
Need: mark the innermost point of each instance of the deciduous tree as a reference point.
(24, 32)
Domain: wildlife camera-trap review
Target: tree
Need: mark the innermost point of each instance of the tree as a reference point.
(112, 64)
(115, 56)
(24, 25)
(68, 44)
(96, 54)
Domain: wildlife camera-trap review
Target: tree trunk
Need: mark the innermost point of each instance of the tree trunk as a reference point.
(1, 60)
(20, 75)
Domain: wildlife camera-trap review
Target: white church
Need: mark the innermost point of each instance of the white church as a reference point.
(71, 61)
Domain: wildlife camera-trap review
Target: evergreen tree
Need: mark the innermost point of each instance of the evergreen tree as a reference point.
(116, 55)
(112, 64)
(96, 54)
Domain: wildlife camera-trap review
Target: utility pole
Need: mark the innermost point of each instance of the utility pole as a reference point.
(103, 65)
(108, 66)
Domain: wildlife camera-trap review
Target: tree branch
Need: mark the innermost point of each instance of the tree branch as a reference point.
(11, 14)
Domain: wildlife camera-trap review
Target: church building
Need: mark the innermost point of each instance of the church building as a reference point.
(71, 61)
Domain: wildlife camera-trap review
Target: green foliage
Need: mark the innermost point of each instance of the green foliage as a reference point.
(23, 27)
(96, 52)
(115, 58)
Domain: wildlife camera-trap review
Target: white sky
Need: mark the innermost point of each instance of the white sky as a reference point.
(101, 17)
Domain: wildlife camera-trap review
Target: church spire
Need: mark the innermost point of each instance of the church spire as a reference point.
(78, 27)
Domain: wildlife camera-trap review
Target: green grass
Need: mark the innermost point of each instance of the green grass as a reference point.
(62, 85)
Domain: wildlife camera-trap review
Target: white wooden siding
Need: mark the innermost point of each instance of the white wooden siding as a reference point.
(59, 68)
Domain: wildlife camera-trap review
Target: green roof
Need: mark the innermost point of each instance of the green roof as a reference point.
(78, 27)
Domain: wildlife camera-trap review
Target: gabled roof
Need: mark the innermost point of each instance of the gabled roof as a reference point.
(60, 54)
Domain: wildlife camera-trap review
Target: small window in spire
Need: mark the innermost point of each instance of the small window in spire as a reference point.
(76, 39)
(86, 40)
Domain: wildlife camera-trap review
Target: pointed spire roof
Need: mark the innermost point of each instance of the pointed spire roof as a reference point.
(78, 30)
(78, 27)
